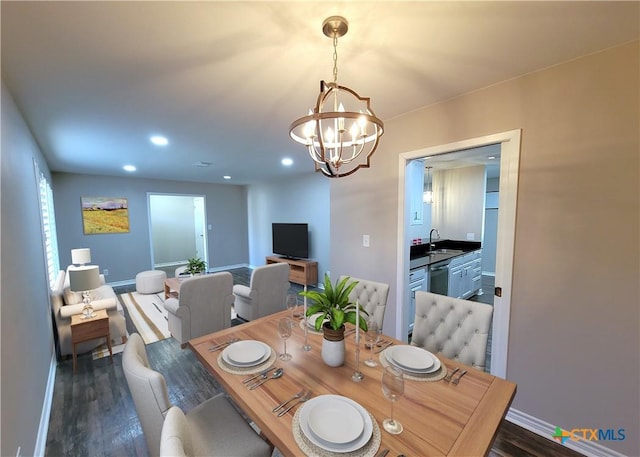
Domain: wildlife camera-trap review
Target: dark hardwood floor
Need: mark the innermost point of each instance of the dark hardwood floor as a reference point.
(93, 415)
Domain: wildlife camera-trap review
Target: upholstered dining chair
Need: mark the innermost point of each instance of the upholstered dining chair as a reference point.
(266, 293)
(203, 306)
(459, 329)
(215, 427)
(372, 296)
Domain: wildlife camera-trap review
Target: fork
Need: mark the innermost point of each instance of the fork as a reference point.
(302, 399)
(457, 380)
(221, 345)
(447, 378)
(383, 346)
(296, 396)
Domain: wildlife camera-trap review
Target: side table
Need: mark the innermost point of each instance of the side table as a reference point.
(89, 329)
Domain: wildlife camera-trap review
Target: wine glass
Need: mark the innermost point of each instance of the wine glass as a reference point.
(393, 389)
(284, 331)
(292, 302)
(372, 336)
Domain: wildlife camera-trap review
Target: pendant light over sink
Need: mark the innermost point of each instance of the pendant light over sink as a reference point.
(341, 132)
(427, 195)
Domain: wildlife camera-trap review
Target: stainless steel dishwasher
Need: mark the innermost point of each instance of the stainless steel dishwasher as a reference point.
(439, 278)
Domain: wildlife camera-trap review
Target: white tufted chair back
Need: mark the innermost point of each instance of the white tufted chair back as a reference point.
(459, 329)
(372, 296)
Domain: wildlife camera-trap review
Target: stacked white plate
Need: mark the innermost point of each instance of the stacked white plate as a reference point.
(412, 359)
(335, 423)
(247, 353)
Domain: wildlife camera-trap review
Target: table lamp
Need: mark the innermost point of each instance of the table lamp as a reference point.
(83, 279)
(81, 256)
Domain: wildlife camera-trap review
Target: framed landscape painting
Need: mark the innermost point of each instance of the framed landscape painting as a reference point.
(104, 215)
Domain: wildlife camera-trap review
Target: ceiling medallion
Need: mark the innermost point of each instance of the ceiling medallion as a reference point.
(341, 132)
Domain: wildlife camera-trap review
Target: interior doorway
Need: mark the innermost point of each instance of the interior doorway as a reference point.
(509, 164)
(177, 225)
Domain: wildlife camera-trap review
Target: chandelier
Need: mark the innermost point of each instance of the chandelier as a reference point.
(341, 132)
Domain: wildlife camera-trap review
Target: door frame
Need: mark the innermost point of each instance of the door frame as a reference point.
(509, 173)
(203, 220)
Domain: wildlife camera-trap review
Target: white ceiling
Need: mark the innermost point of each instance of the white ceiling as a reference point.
(223, 80)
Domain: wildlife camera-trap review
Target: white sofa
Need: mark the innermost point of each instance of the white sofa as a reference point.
(66, 303)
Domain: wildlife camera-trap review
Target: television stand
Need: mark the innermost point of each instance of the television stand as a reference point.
(301, 271)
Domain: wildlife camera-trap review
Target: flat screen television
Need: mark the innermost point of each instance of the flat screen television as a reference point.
(291, 240)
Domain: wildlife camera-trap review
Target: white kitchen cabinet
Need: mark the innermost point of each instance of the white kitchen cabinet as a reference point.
(465, 275)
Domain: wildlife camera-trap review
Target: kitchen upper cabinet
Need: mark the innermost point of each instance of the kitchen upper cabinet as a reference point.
(416, 188)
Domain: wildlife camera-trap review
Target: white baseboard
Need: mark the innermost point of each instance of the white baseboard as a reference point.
(546, 430)
(43, 428)
(229, 267)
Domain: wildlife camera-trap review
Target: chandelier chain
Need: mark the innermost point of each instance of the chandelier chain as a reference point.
(335, 58)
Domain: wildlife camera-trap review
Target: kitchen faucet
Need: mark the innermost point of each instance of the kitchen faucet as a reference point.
(431, 245)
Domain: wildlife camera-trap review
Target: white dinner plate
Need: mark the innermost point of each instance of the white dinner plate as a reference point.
(433, 369)
(358, 443)
(411, 357)
(336, 421)
(246, 353)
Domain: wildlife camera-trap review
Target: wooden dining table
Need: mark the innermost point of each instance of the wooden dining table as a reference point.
(439, 418)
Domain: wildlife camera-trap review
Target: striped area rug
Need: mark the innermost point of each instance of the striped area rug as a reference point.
(147, 314)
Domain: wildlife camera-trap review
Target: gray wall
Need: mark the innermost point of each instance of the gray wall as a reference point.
(301, 199)
(28, 352)
(126, 254)
(574, 306)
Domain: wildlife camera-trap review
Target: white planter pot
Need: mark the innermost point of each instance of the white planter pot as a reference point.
(333, 352)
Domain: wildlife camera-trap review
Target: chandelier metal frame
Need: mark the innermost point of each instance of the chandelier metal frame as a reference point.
(341, 126)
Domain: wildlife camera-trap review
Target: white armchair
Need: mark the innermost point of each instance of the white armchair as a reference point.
(459, 329)
(203, 306)
(372, 296)
(266, 294)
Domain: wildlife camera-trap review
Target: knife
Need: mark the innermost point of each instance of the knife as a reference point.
(383, 347)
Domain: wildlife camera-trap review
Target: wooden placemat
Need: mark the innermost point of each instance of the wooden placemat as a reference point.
(312, 450)
(437, 375)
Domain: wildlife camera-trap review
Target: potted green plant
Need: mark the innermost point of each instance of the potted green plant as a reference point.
(333, 308)
(195, 266)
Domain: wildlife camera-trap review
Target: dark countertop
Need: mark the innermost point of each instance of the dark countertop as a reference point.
(443, 250)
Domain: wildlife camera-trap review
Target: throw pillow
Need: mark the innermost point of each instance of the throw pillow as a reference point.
(72, 298)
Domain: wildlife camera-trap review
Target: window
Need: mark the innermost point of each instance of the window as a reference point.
(48, 220)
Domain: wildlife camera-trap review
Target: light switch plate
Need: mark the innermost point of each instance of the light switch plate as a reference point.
(365, 241)
(471, 236)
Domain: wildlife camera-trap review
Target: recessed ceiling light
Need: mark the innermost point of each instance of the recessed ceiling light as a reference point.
(491, 157)
(287, 162)
(227, 177)
(159, 140)
(129, 168)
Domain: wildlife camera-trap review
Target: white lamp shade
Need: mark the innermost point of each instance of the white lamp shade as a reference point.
(82, 279)
(80, 256)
